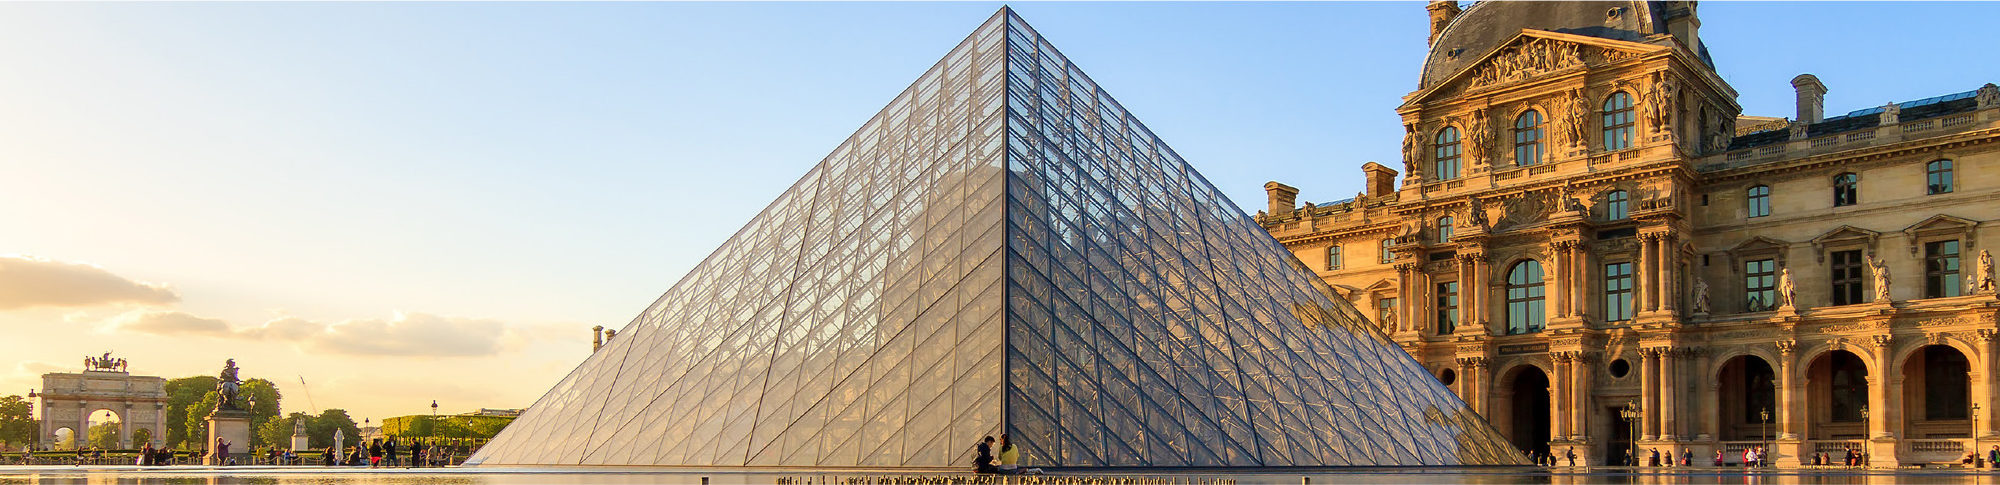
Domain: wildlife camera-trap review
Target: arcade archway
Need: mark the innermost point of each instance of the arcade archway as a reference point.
(69, 401)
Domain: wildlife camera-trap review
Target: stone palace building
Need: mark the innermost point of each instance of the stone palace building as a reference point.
(1595, 248)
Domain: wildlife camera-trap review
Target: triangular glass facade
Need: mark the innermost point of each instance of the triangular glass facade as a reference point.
(1003, 249)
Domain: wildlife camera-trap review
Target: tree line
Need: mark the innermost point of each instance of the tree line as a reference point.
(189, 400)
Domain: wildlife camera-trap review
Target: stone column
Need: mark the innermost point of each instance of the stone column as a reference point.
(160, 422)
(82, 433)
(125, 427)
(1649, 392)
(1559, 397)
(1668, 260)
(1405, 291)
(1669, 380)
(1579, 301)
(1559, 292)
(1579, 416)
(1986, 428)
(1642, 287)
(1789, 416)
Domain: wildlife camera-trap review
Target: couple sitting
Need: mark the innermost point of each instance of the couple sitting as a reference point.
(1009, 462)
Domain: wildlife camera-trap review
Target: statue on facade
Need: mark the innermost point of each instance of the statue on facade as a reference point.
(1881, 272)
(1989, 96)
(1700, 296)
(1412, 152)
(226, 387)
(1657, 104)
(1480, 133)
(1389, 323)
(1476, 212)
(1984, 281)
(1891, 114)
(1787, 288)
(1576, 120)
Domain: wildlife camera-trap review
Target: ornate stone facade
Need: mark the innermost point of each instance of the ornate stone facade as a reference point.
(68, 400)
(1733, 287)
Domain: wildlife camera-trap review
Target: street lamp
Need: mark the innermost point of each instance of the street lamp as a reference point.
(31, 416)
(1631, 414)
(1975, 435)
(1866, 435)
(1766, 435)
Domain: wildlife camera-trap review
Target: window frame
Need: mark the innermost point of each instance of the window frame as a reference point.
(1766, 287)
(1753, 200)
(1847, 278)
(1333, 259)
(1447, 307)
(1617, 205)
(1384, 307)
(1444, 230)
(1527, 301)
(1528, 138)
(1619, 121)
(1938, 177)
(1846, 189)
(1388, 255)
(1944, 273)
(1445, 152)
(1618, 291)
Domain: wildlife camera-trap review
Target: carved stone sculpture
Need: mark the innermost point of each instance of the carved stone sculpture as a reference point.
(1412, 152)
(1881, 271)
(1700, 296)
(1528, 60)
(1891, 114)
(1787, 288)
(1658, 105)
(1476, 212)
(1576, 120)
(1989, 96)
(1479, 134)
(1984, 281)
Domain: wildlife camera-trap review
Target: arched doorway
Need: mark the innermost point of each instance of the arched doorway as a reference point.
(105, 431)
(1747, 399)
(1837, 386)
(1937, 397)
(1527, 413)
(64, 438)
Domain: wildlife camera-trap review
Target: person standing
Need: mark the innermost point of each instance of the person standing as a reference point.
(389, 453)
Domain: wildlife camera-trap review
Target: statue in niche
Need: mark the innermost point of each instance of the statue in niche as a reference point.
(1576, 120)
(1788, 289)
(1658, 104)
(1480, 135)
(1881, 273)
(1412, 151)
(1700, 297)
(1984, 278)
(1476, 212)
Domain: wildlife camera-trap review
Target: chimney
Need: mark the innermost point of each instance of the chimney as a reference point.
(596, 338)
(1812, 98)
(1684, 25)
(1381, 180)
(1283, 198)
(1442, 11)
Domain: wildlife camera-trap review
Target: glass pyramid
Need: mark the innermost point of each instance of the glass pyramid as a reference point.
(1003, 249)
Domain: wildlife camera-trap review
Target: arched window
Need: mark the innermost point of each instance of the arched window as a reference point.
(1937, 177)
(1525, 311)
(1616, 205)
(1618, 121)
(1447, 153)
(1760, 200)
(1444, 229)
(1844, 192)
(1528, 139)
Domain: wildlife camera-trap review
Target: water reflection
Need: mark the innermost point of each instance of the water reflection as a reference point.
(1510, 476)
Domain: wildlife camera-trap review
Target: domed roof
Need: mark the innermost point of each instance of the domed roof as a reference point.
(1485, 25)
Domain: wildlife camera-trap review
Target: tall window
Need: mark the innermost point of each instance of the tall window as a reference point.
(1387, 255)
(1760, 201)
(1385, 312)
(1941, 269)
(1525, 311)
(1447, 307)
(1444, 229)
(1528, 139)
(1848, 274)
(1843, 189)
(1618, 121)
(1850, 387)
(1945, 383)
(1937, 177)
(1760, 280)
(1447, 153)
(1616, 205)
(1333, 257)
(1618, 292)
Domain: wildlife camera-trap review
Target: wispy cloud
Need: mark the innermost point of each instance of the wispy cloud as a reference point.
(405, 334)
(27, 282)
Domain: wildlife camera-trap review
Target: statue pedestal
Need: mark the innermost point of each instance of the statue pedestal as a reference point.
(299, 442)
(233, 427)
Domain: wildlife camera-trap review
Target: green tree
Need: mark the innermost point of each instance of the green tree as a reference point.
(17, 424)
(320, 429)
(194, 419)
(141, 436)
(266, 396)
(278, 432)
(104, 435)
(182, 393)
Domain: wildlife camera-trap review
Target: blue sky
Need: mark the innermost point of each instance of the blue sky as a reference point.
(510, 174)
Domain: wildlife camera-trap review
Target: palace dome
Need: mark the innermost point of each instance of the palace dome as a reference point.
(1485, 25)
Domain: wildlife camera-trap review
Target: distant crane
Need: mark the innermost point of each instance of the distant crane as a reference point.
(309, 395)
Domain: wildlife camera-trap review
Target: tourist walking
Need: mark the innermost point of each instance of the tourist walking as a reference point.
(1571, 454)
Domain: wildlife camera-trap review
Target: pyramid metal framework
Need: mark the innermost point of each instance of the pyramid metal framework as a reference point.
(1002, 249)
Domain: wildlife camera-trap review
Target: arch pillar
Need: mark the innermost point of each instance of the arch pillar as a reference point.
(1669, 380)
(1984, 385)
(1649, 393)
(1883, 415)
(1790, 416)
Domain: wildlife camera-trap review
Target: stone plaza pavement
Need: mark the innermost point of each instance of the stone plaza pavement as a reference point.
(627, 475)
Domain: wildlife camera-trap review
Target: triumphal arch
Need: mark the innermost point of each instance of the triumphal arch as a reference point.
(106, 383)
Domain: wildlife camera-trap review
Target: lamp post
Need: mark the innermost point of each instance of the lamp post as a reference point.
(1866, 435)
(33, 411)
(1631, 414)
(1764, 436)
(1981, 460)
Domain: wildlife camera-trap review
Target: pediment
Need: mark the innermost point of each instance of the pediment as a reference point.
(1535, 54)
(1759, 243)
(1940, 223)
(1844, 234)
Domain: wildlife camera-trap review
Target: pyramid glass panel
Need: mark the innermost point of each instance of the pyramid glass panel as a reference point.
(1002, 249)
